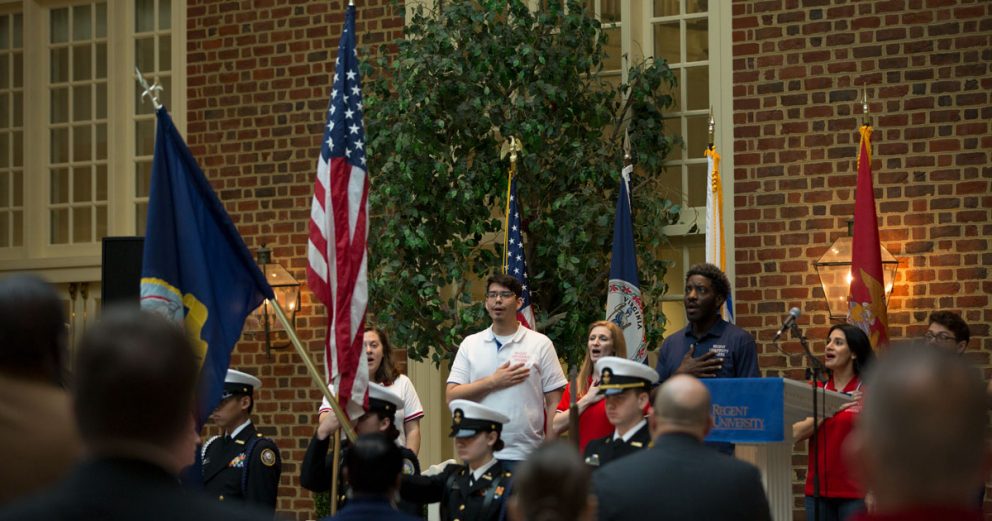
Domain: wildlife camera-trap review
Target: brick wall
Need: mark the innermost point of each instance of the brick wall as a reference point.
(798, 69)
(258, 79)
(258, 82)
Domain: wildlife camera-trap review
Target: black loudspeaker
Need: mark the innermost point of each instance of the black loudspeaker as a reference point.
(122, 270)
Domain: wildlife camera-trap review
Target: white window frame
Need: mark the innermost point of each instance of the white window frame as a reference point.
(81, 262)
(721, 99)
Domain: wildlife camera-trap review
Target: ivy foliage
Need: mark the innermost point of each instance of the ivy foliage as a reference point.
(438, 105)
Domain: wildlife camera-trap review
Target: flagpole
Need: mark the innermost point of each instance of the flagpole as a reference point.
(335, 471)
(514, 148)
(314, 374)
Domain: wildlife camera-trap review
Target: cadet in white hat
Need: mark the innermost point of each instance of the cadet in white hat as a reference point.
(627, 385)
(242, 464)
(477, 489)
(315, 471)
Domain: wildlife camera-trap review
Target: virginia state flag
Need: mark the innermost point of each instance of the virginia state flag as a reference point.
(866, 300)
(623, 301)
(196, 268)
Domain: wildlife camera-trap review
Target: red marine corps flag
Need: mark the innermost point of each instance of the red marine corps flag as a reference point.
(866, 300)
(337, 253)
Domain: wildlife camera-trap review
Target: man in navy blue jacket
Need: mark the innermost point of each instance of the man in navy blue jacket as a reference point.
(709, 347)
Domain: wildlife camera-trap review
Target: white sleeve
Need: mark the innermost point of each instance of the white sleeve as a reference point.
(553, 378)
(325, 406)
(461, 371)
(412, 409)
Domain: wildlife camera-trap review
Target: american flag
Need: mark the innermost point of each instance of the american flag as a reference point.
(337, 255)
(516, 264)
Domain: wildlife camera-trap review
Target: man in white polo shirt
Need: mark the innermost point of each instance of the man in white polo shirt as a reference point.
(511, 369)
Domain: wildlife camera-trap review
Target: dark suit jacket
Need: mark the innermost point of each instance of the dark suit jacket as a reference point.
(680, 479)
(120, 489)
(226, 462)
(604, 450)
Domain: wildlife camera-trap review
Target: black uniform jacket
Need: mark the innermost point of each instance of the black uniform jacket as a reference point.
(225, 462)
(120, 489)
(315, 472)
(680, 479)
(601, 451)
(460, 498)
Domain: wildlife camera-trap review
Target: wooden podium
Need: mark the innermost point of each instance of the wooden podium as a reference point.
(757, 415)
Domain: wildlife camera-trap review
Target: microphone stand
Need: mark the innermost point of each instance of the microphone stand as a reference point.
(817, 373)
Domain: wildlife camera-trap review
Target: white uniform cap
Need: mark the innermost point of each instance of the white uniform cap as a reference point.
(382, 399)
(469, 418)
(236, 382)
(619, 374)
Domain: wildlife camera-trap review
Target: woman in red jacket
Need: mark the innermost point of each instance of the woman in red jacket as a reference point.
(848, 353)
(605, 339)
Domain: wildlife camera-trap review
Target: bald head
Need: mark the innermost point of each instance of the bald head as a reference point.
(921, 436)
(682, 404)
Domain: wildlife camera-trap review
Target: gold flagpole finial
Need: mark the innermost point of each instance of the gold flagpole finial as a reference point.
(514, 147)
(712, 128)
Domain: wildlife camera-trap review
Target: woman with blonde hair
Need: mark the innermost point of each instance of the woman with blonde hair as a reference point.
(605, 339)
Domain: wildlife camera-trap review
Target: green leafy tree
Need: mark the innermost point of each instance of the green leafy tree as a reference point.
(438, 105)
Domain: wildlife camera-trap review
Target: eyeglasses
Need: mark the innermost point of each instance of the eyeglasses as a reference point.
(501, 294)
(941, 337)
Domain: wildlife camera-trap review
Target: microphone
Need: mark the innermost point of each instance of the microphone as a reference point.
(794, 313)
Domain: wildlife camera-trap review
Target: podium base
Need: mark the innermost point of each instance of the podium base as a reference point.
(774, 460)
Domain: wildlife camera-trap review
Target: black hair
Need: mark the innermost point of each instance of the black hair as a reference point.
(135, 379)
(508, 281)
(954, 323)
(373, 463)
(33, 334)
(719, 280)
(392, 432)
(859, 344)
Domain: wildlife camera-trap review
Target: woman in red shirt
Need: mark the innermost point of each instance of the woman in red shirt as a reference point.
(605, 339)
(848, 353)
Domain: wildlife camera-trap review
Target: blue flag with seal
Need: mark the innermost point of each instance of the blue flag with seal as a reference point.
(196, 268)
(624, 306)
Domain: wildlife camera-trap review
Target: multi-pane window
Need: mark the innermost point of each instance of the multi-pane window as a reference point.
(152, 53)
(610, 15)
(76, 139)
(77, 125)
(680, 31)
(684, 33)
(11, 131)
